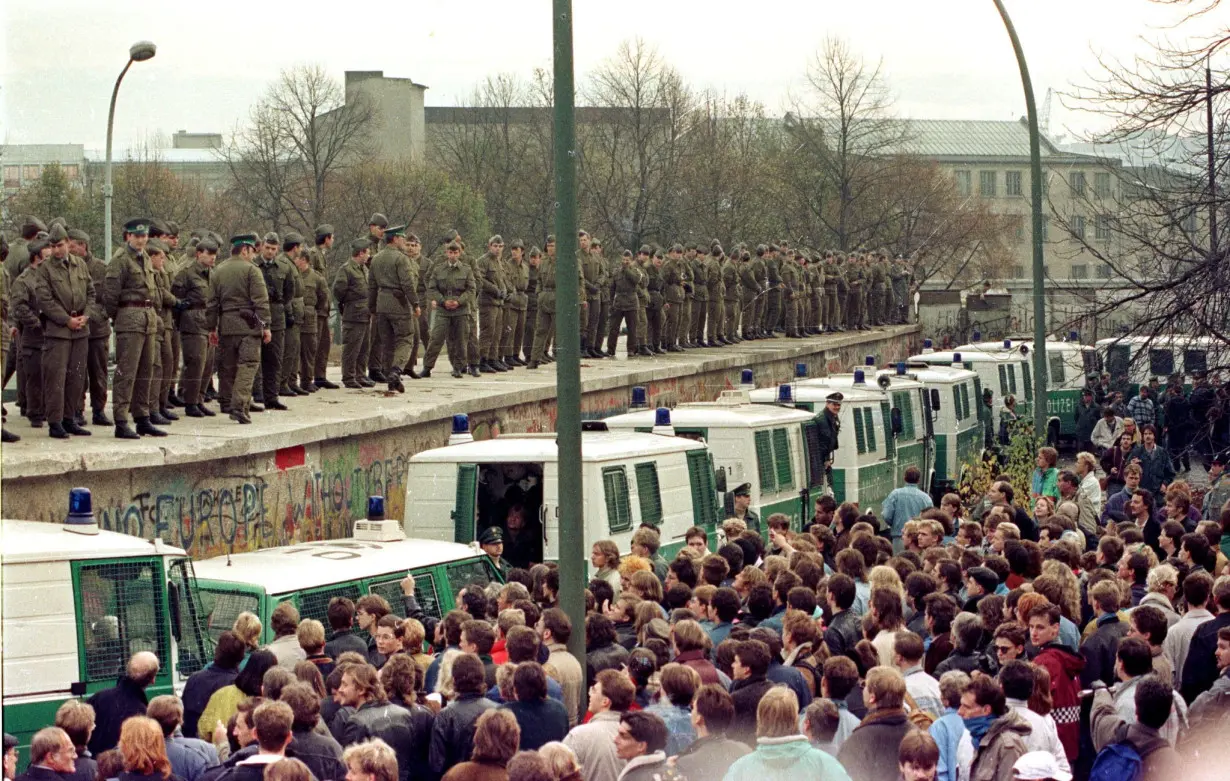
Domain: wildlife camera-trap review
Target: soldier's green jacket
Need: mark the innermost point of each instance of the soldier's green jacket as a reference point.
(760, 269)
(315, 298)
(280, 289)
(642, 284)
(773, 268)
(789, 276)
(451, 281)
(396, 282)
(591, 274)
(517, 275)
(191, 284)
(730, 279)
(316, 255)
(654, 285)
(294, 309)
(18, 259)
(672, 280)
(350, 293)
(100, 324)
(130, 280)
(700, 279)
(713, 277)
(749, 282)
(489, 275)
(63, 289)
(546, 284)
(238, 299)
(624, 287)
(167, 302)
(24, 303)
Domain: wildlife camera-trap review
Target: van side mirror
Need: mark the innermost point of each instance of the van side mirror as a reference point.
(728, 504)
(935, 399)
(719, 479)
(896, 420)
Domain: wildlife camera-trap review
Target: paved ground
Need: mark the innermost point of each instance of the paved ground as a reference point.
(344, 412)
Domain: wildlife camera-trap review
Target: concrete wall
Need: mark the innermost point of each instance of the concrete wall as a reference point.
(316, 490)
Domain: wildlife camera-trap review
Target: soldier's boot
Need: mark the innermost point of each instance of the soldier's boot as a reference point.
(156, 418)
(194, 411)
(55, 430)
(168, 414)
(100, 418)
(395, 383)
(276, 404)
(533, 364)
(145, 427)
(475, 372)
(240, 417)
(484, 367)
(500, 366)
(323, 382)
(211, 393)
(124, 431)
(411, 373)
(254, 407)
(7, 437)
(174, 400)
(206, 410)
(71, 427)
(366, 383)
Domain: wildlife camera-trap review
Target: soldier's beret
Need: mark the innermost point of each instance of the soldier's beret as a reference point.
(32, 222)
(57, 233)
(137, 227)
(358, 245)
(379, 220)
(323, 229)
(292, 238)
(207, 245)
(272, 238)
(516, 244)
(76, 234)
(249, 239)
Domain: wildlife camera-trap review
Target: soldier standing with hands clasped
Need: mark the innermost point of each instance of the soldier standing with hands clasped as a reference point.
(450, 286)
(397, 305)
(129, 293)
(350, 292)
(191, 288)
(63, 288)
(238, 318)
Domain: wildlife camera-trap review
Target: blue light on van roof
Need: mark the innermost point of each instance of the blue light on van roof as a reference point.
(977, 336)
(927, 344)
(956, 358)
(870, 360)
(859, 377)
(640, 397)
(375, 508)
(80, 516)
(785, 394)
(800, 370)
(461, 423)
(746, 377)
(1007, 344)
(662, 417)
(900, 368)
(1073, 336)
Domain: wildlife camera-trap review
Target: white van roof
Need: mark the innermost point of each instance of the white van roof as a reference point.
(936, 374)
(714, 414)
(1051, 346)
(813, 392)
(35, 541)
(1161, 340)
(844, 381)
(294, 567)
(968, 356)
(523, 448)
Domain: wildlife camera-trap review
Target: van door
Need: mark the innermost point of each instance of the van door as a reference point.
(704, 489)
(465, 507)
(548, 514)
(192, 649)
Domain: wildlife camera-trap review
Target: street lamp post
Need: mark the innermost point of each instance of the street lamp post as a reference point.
(139, 52)
(1035, 165)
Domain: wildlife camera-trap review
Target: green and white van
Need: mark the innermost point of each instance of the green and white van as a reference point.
(630, 478)
(759, 444)
(1141, 358)
(1068, 364)
(957, 419)
(866, 465)
(77, 606)
(1003, 372)
(374, 561)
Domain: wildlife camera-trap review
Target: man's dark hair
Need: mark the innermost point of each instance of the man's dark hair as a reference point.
(480, 634)
(772, 641)
(453, 621)
(754, 655)
(1197, 546)
(842, 589)
(760, 601)
(1135, 656)
(912, 475)
(841, 674)
(716, 707)
(340, 613)
(602, 590)
(521, 644)
(558, 623)
(646, 728)
(303, 701)
(1151, 622)
(1138, 563)
(1069, 477)
(949, 573)
(725, 603)
(734, 557)
(810, 573)
(987, 691)
(469, 675)
(917, 586)
(1154, 701)
(474, 601)
(530, 682)
(1005, 488)
(685, 571)
(252, 676)
(1111, 549)
(678, 596)
(943, 609)
(599, 631)
(786, 580)
(230, 650)
(1017, 678)
(802, 598)
(1197, 588)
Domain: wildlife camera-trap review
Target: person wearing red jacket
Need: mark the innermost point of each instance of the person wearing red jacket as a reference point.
(1064, 667)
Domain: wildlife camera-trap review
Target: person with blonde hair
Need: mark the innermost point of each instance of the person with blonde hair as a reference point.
(1087, 470)
(782, 752)
(248, 628)
(371, 760)
(76, 718)
(285, 646)
(144, 751)
(288, 769)
(496, 737)
(629, 566)
(863, 754)
(412, 635)
(561, 761)
(604, 556)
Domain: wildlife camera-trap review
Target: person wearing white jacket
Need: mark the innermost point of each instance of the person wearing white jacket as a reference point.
(1018, 678)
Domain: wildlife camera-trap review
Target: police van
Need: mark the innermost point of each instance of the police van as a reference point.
(1003, 372)
(310, 574)
(78, 602)
(866, 466)
(957, 418)
(1139, 359)
(771, 448)
(1068, 366)
(455, 492)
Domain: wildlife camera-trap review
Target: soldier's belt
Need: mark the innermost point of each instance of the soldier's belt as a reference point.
(135, 304)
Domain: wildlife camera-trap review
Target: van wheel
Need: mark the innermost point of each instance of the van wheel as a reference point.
(1052, 434)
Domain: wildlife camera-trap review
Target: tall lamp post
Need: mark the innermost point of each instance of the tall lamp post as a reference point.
(139, 52)
(1039, 271)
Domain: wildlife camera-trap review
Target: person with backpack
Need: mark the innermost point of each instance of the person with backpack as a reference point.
(1133, 752)
(1209, 716)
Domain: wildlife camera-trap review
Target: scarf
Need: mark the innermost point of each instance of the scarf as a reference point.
(978, 727)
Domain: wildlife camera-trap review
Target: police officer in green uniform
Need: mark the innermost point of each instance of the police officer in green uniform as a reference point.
(449, 287)
(517, 277)
(238, 317)
(828, 430)
(491, 540)
(489, 275)
(63, 288)
(191, 289)
(742, 496)
(350, 291)
(280, 290)
(324, 335)
(292, 247)
(129, 291)
(624, 304)
(397, 304)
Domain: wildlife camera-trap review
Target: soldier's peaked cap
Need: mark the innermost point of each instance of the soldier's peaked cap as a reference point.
(395, 230)
(324, 229)
(76, 234)
(358, 245)
(292, 238)
(57, 233)
(138, 227)
(836, 396)
(379, 220)
(272, 238)
(241, 239)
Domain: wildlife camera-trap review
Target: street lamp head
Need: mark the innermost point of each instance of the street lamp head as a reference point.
(142, 51)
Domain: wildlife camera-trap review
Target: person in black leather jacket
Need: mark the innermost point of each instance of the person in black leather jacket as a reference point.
(452, 736)
(407, 733)
(602, 649)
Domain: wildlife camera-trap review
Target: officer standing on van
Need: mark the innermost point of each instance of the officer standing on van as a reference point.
(828, 427)
(743, 511)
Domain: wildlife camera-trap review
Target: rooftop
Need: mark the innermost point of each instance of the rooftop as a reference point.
(35, 541)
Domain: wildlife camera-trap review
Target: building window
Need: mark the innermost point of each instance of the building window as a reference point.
(1101, 185)
(1078, 226)
(70, 172)
(12, 176)
(1077, 180)
(1018, 226)
(1046, 228)
(1080, 271)
(1104, 271)
(987, 182)
(29, 172)
(1018, 272)
(1012, 183)
(1189, 222)
(963, 182)
(1101, 228)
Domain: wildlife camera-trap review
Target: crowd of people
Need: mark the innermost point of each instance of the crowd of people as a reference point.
(1089, 638)
(255, 312)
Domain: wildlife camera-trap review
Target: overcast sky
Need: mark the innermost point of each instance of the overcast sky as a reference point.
(945, 59)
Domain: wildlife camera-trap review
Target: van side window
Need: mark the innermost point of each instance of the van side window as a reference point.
(903, 401)
(1011, 378)
(982, 411)
(1118, 359)
(764, 461)
(860, 437)
(223, 607)
(465, 573)
(1195, 361)
(315, 604)
(1161, 362)
(781, 457)
(424, 592)
(120, 613)
(964, 400)
(1056, 362)
(1026, 373)
(704, 490)
(615, 490)
(956, 401)
(648, 493)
